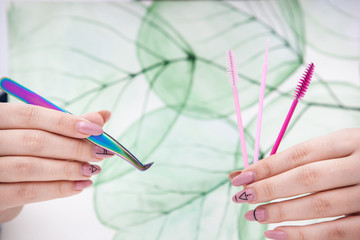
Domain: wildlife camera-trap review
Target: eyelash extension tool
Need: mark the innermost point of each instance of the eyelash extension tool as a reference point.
(104, 140)
(234, 78)
(298, 95)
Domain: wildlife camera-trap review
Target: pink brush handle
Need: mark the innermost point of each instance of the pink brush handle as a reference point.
(284, 126)
(261, 103)
(240, 126)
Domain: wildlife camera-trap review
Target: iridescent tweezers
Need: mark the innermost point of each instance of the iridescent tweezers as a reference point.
(104, 140)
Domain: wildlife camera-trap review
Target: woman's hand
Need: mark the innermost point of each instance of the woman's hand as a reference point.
(43, 154)
(326, 169)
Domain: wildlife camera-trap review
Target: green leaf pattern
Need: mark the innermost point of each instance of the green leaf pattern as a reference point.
(161, 68)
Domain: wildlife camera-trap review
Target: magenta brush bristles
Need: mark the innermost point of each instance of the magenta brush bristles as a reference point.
(299, 94)
(304, 82)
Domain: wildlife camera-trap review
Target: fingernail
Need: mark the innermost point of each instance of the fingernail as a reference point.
(247, 195)
(81, 185)
(89, 128)
(275, 234)
(232, 175)
(244, 178)
(90, 170)
(259, 214)
(100, 152)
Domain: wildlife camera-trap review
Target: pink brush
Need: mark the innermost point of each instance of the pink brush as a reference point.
(299, 94)
(261, 103)
(234, 77)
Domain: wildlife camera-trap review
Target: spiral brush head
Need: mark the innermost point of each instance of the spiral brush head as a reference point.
(231, 69)
(304, 82)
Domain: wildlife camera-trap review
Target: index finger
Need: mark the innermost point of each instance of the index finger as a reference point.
(23, 116)
(331, 146)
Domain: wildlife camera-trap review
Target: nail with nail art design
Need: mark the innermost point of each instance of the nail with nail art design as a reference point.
(246, 195)
(90, 170)
(259, 214)
(99, 152)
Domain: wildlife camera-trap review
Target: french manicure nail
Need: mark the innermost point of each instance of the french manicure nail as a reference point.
(81, 185)
(89, 128)
(90, 170)
(259, 214)
(246, 195)
(100, 152)
(275, 234)
(243, 178)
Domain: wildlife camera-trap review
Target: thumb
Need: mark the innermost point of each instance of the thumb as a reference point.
(99, 118)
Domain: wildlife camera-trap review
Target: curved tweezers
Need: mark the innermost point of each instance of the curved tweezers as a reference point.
(104, 140)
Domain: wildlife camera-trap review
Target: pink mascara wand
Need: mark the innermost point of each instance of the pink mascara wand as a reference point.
(234, 78)
(261, 103)
(299, 94)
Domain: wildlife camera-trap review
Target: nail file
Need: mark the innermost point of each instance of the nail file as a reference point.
(104, 140)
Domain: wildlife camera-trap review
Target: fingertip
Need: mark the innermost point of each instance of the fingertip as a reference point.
(88, 128)
(249, 215)
(88, 170)
(243, 179)
(101, 153)
(81, 185)
(95, 117)
(232, 175)
(276, 234)
(106, 115)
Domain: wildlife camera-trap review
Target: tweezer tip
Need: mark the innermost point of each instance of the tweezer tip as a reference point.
(146, 166)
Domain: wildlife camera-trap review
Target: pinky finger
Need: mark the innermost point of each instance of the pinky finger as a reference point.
(345, 228)
(19, 194)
